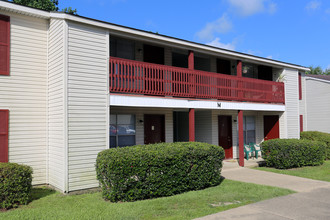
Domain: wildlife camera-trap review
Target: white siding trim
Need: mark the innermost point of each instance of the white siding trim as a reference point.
(107, 145)
(47, 111)
(141, 101)
(65, 107)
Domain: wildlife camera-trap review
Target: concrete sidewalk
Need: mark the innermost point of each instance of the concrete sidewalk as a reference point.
(312, 201)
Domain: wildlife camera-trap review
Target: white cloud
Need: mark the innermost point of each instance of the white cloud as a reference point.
(269, 57)
(272, 8)
(216, 43)
(327, 11)
(313, 5)
(250, 7)
(221, 25)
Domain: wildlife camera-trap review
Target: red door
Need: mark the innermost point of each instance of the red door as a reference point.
(154, 129)
(225, 135)
(271, 127)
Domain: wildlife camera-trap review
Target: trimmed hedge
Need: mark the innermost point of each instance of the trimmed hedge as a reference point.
(318, 136)
(165, 169)
(290, 153)
(15, 184)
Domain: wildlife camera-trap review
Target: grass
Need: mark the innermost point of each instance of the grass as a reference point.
(48, 204)
(317, 172)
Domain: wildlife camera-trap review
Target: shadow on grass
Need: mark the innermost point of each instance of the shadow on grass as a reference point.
(40, 192)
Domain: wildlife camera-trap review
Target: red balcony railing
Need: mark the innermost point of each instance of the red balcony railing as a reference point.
(129, 76)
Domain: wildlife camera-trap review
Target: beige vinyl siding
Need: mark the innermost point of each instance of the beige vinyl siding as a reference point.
(291, 103)
(24, 93)
(302, 102)
(318, 105)
(87, 94)
(56, 124)
(139, 116)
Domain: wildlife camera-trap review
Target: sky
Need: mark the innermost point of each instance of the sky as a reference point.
(293, 31)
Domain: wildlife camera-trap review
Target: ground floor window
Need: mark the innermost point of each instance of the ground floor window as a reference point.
(122, 130)
(249, 129)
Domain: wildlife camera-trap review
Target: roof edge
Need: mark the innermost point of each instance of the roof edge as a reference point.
(9, 6)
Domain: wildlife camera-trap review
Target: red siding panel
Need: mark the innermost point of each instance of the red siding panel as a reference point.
(301, 123)
(4, 119)
(240, 139)
(192, 124)
(4, 44)
(300, 88)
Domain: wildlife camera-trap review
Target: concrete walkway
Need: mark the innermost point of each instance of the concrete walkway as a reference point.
(311, 202)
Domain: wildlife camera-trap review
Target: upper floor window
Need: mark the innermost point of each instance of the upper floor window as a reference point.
(223, 66)
(122, 48)
(202, 63)
(4, 44)
(255, 71)
(180, 59)
(153, 54)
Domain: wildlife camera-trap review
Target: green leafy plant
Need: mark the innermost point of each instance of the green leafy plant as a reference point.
(156, 170)
(318, 136)
(290, 153)
(15, 184)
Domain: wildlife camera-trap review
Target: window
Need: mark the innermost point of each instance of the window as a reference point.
(179, 60)
(122, 48)
(4, 44)
(249, 129)
(202, 63)
(249, 70)
(122, 130)
(4, 119)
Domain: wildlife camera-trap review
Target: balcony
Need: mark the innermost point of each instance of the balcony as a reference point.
(134, 77)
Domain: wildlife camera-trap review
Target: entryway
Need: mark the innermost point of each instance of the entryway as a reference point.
(225, 135)
(154, 129)
(271, 127)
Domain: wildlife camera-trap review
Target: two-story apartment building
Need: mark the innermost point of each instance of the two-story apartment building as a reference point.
(72, 86)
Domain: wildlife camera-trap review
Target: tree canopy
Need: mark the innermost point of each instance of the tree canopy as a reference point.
(49, 5)
(318, 71)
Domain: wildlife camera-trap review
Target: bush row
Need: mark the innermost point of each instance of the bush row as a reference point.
(318, 136)
(290, 153)
(15, 184)
(156, 170)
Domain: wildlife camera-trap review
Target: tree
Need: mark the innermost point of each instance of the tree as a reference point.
(69, 10)
(327, 71)
(315, 70)
(48, 5)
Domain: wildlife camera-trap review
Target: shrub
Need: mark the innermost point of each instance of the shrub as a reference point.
(318, 136)
(15, 184)
(290, 153)
(156, 170)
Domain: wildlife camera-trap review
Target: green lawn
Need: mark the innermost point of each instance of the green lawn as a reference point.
(48, 204)
(317, 172)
